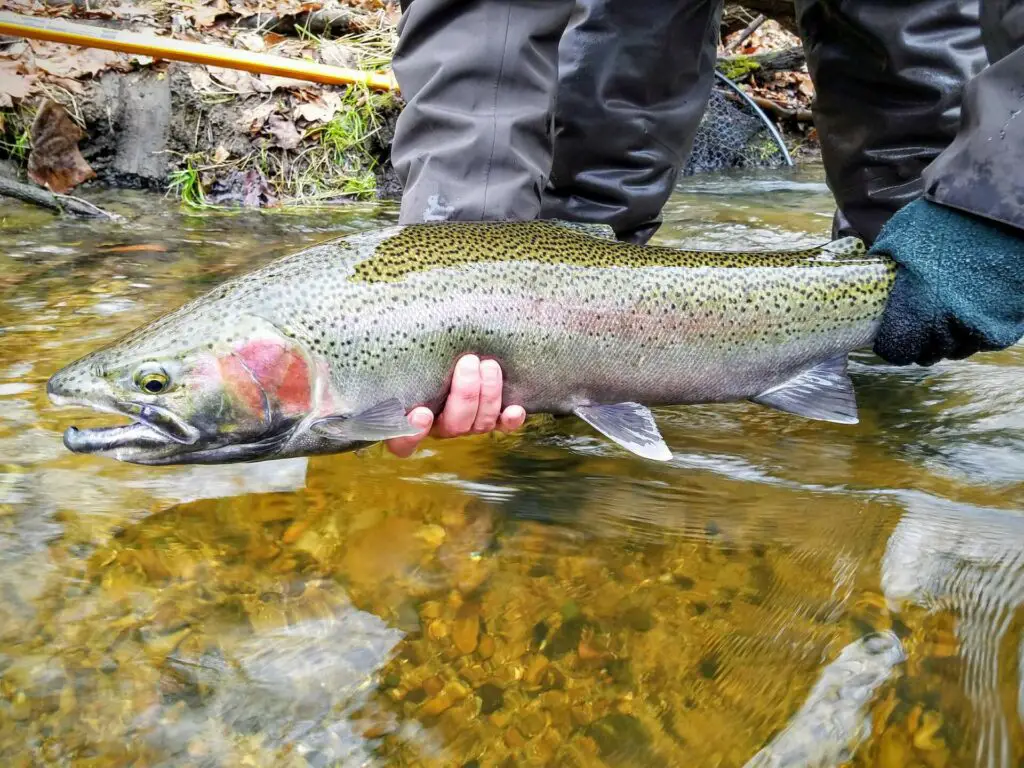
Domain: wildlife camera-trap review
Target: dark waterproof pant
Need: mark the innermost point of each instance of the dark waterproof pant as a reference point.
(587, 110)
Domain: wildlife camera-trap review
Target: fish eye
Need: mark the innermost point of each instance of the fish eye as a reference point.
(152, 379)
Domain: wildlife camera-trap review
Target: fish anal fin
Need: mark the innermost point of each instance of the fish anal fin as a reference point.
(631, 425)
(381, 421)
(823, 392)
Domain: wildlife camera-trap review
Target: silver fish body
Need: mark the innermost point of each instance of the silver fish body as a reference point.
(371, 325)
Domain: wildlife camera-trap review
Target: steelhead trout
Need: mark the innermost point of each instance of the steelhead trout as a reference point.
(326, 350)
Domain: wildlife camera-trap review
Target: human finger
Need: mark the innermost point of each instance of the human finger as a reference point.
(490, 397)
(404, 447)
(463, 399)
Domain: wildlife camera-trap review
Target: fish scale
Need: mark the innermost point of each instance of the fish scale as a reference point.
(579, 323)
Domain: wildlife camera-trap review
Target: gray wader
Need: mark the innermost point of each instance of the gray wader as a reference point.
(475, 140)
(888, 80)
(982, 171)
(480, 78)
(634, 80)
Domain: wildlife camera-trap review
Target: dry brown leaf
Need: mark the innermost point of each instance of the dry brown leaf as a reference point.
(337, 54)
(205, 15)
(200, 79)
(73, 87)
(14, 85)
(237, 81)
(806, 87)
(273, 38)
(275, 82)
(253, 119)
(129, 11)
(66, 61)
(319, 110)
(55, 161)
(251, 41)
(288, 46)
(284, 132)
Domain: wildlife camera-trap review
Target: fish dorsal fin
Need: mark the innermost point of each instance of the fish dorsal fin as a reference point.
(845, 247)
(381, 421)
(604, 231)
(823, 392)
(631, 425)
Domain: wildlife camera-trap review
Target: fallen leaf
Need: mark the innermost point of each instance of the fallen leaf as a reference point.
(289, 47)
(129, 11)
(205, 15)
(286, 136)
(274, 82)
(66, 61)
(14, 85)
(200, 79)
(251, 41)
(320, 110)
(220, 154)
(271, 39)
(55, 161)
(237, 81)
(253, 119)
(256, 191)
(337, 54)
(73, 87)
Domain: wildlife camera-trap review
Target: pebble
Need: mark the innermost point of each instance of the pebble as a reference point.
(534, 668)
(437, 629)
(485, 648)
(466, 629)
(492, 698)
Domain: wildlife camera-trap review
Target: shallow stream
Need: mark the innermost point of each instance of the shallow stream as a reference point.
(782, 593)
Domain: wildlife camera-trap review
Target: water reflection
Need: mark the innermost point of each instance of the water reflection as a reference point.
(968, 562)
(781, 593)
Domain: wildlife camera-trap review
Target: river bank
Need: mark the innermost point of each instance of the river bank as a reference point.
(221, 137)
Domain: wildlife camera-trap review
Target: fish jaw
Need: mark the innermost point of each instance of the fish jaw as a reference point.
(138, 443)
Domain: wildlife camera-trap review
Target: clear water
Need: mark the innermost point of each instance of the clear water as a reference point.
(782, 593)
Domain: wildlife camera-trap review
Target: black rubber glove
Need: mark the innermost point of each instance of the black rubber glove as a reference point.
(959, 286)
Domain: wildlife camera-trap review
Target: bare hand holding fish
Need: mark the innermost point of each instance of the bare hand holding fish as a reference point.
(473, 407)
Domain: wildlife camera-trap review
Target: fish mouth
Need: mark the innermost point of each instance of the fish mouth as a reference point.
(113, 441)
(138, 443)
(153, 431)
(158, 437)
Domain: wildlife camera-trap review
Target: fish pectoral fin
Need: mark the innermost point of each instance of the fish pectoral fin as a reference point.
(631, 425)
(382, 421)
(823, 392)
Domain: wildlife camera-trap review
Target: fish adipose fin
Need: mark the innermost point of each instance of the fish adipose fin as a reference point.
(823, 392)
(631, 425)
(378, 422)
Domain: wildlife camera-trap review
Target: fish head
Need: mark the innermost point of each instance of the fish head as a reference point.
(198, 387)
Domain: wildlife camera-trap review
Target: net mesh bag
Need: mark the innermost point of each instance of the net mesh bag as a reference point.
(732, 134)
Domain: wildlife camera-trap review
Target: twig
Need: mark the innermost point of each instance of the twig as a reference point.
(750, 29)
(59, 203)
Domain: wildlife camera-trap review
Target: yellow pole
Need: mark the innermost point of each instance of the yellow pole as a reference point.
(159, 47)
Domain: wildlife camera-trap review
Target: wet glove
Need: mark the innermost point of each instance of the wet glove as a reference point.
(959, 287)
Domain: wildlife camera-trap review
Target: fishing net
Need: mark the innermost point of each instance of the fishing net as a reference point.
(734, 134)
